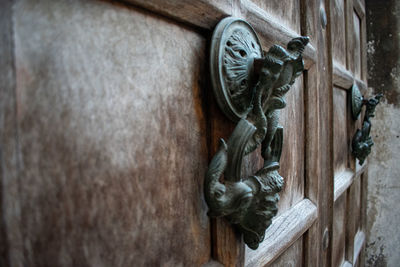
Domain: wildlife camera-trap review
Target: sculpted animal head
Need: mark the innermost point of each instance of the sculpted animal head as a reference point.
(280, 69)
(263, 208)
(371, 105)
(225, 198)
(230, 198)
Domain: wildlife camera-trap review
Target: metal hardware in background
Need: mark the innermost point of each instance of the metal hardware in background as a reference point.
(356, 101)
(362, 141)
(249, 86)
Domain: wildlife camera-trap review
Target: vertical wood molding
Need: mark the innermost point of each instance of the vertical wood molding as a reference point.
(349, 36)
(363, 41)
(319, 138)
(12, 245)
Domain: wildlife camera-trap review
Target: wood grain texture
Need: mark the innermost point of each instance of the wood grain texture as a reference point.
(357, 45)
(353, 219)
(292, 159)
(288, 14)
(11, 239)
(112, 136)
(312, 142)
(349, 35)
(319, 139)
(212, 263)
(313, 152)
(282, 233)
(359, 243)
(359, 6)
(207, 13)
(338, 18)
(341, 77)
(343, 180)
(341, 140)
(359, 10)
(363, 46)
(339, 231)
(228, 248)
(104, 86)
(364, 203)
(203, 13)
(326, 136)
(293, 256)
(271, 31)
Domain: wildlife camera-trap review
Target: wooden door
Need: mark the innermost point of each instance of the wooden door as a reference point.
(110, 123)
(295, 237)
(350, 179)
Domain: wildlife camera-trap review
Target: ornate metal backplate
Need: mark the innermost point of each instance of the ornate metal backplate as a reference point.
(234, 46)
(250, 89)
(356, 101)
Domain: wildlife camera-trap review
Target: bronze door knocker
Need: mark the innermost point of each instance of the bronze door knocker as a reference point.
(250, 87)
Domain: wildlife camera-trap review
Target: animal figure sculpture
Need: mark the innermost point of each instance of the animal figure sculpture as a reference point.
(362, 141)
(250, 203)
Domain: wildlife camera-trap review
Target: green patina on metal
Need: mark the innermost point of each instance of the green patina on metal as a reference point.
(356, 101)
(249, 86)
(362, 141)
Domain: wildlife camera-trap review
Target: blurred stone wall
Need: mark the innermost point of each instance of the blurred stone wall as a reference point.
(383, 216)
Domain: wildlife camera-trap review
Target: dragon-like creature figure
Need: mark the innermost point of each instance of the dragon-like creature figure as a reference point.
(362, 141)
(250, 203)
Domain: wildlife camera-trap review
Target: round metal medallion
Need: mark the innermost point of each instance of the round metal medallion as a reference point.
(234, 46)
(356, 101)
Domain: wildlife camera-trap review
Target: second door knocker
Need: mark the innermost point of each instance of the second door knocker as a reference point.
(362, 141)
(250, 87)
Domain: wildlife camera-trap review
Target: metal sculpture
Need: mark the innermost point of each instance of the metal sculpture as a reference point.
(250, 89)
(362, 141)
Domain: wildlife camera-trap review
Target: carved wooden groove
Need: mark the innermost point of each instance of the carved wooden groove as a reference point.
(250, 87)
(362, 141)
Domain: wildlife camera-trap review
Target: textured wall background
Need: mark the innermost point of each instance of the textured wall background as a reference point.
(383, 24)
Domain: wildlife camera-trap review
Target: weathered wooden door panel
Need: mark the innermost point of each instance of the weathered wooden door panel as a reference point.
(348, 64)
(116, 121)
(294, 216)
(112, 137)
